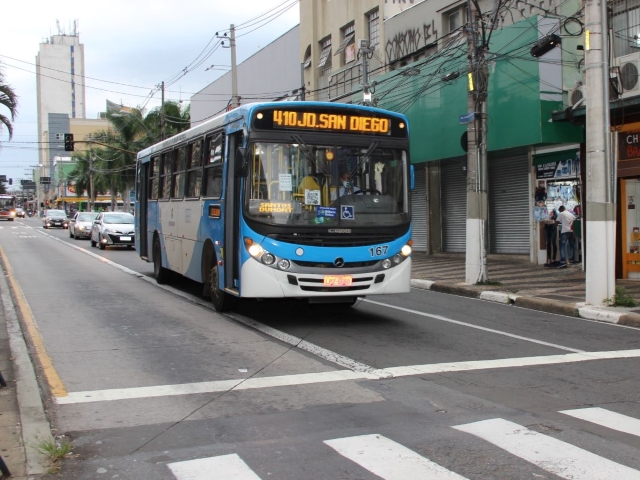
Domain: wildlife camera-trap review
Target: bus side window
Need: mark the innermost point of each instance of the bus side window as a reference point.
(179, 174)
(155, 178)
(213, 166)
(194, 167)
(165, 177)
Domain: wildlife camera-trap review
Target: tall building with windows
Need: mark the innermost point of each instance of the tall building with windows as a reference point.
(60, 92)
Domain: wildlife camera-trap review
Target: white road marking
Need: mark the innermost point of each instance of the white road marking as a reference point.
(333, 376)
(607, 418)
(388, 459)
(471, 325)
(550, 454)
(230, 467)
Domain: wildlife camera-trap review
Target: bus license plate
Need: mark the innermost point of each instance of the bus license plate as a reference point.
(338, 280)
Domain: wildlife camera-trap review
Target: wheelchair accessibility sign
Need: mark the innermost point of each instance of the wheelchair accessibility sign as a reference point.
(347, 212)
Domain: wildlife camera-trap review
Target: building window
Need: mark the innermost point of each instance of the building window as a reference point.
(348, 46)
(626, 29)
(307, 57)
(374, 29)
(454, 20)
(325, 56)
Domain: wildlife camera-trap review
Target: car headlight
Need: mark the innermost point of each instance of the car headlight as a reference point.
(109, 230)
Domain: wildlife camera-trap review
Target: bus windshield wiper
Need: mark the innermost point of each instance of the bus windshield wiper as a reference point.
(303, 146)
(367, 154)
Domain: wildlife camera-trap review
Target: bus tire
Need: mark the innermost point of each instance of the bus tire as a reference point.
(222, 301)
(161, 274)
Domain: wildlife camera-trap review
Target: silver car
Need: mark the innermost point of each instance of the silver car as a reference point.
(81, 223)
(112, 228)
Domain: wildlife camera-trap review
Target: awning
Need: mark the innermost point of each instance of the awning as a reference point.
(347, 40)
(542, 158)
(324, 56)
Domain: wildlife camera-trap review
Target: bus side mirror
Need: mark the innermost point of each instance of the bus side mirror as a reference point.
(412, 178)
(241, 167)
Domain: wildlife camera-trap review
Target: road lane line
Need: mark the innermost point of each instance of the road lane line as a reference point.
(471, 325)
(550, 454)
(53, 379)
(388, 459)
(224, 466)
(333, 376)
(607, 418)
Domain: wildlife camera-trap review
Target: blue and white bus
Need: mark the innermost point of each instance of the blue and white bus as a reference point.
(304, 200)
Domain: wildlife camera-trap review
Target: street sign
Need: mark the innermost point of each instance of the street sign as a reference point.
(45, 180)
(468, 118)
(3, 178)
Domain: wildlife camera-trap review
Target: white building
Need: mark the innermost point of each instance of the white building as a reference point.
(60, 92)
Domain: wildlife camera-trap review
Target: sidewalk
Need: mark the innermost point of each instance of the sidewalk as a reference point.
(514, 281)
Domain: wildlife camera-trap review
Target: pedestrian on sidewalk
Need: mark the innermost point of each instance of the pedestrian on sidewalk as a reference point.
(565, 219)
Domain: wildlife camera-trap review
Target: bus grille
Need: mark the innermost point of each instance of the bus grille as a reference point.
(325, 240)
(331, 265)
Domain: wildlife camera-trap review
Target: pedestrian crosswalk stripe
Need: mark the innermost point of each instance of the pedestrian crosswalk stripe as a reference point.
(388, 459)
(548, 453)
(607, 418)
(224, 466)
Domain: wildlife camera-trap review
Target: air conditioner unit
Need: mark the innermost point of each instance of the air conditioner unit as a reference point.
(629, 68)
(577, 94)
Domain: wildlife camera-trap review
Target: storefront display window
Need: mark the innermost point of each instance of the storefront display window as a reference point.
(631, 228)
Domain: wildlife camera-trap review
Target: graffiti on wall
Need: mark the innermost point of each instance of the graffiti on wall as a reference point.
(412, 39)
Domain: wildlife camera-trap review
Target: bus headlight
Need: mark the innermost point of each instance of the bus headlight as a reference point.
(284, 264)
(397, 258)
(406, 250)
(255, 250)
(386, 263)
(268, 259)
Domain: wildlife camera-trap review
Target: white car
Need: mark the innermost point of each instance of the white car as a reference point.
(81, 223)
(113, 228)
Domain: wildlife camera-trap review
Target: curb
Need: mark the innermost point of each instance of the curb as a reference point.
(588, 312)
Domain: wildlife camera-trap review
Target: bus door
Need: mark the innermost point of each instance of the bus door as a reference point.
(142, 195)
(232, 208)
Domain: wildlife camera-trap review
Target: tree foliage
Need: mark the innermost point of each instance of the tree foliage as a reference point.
(112, 161)
(9, 101)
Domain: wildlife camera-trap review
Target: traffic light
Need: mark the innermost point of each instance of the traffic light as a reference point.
(11, 181)
(68, 142)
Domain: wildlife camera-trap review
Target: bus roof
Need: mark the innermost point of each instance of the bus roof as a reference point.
(244, 111)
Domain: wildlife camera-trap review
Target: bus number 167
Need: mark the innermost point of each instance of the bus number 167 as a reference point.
(378, 251)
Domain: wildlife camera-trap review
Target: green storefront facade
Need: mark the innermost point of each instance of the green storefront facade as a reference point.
(523, 93)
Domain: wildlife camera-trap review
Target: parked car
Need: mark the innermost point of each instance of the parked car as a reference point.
(81, 223)
(112, 228)
(55, 218)
(20, 213)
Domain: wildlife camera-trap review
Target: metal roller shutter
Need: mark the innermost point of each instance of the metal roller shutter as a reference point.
(419, 209)
(454, 206)
(509, 204)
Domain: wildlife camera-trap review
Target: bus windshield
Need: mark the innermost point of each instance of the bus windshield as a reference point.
(7, 203)
(304, 184)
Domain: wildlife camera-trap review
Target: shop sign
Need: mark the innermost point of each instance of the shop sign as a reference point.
(568, 168)
(629, 145)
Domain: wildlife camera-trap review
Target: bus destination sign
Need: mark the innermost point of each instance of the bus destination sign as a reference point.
(322, 120)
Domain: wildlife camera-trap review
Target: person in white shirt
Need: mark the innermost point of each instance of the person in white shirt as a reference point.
(565, 220)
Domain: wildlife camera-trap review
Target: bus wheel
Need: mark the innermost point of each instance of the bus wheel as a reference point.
(160, 273)
(222, 301)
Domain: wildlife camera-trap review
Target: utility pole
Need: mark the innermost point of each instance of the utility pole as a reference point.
(600, 208)
(235, 101)
(365, 50)
(162, 113)
(91, 195)
(477, 202)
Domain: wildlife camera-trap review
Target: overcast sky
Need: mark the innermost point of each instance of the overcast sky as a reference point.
(134, 42)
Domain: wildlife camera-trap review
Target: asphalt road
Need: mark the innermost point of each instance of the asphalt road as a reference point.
(151, 383)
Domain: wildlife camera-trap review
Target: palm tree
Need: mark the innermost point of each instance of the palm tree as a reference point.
(9, 100)
(177, 118)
